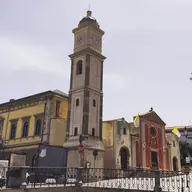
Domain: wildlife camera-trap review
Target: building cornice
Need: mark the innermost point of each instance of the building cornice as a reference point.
(29, 101)
(84, 26)
(87, 51)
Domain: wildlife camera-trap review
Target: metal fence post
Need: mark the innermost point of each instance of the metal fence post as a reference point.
(157, 187)
(79, 176)
(23, 177)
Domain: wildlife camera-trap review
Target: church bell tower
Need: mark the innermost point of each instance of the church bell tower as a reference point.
(86, 96)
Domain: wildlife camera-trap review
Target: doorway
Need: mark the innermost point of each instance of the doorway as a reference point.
(154, 160)
(175, 164)
(124, 154)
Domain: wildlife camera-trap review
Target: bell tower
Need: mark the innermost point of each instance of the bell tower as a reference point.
(86, 96)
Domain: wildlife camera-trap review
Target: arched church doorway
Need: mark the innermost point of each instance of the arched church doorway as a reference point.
(175, 164)
(124, 154)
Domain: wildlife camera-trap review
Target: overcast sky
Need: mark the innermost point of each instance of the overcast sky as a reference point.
(148, 45)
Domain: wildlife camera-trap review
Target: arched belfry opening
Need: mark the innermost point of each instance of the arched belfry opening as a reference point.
(175, 164)
(124, 154)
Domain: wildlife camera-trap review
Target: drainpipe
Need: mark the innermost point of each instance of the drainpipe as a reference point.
(170, 158)
(114, 143)
(141, 143)
(131, 148)
(7, 123)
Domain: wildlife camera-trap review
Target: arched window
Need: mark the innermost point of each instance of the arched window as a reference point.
(124, 131)
(76, 131)
(94, 103)
(93, 131)
(25, 129)
(38, 127)
(79, 67)
(125, 155)
(175, 164)
(77, 102)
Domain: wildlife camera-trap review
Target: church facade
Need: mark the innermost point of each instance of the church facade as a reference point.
(146, 146)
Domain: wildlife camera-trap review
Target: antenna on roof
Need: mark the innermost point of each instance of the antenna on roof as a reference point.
(89, 7)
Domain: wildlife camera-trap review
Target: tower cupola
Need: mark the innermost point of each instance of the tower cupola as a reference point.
(88, 19)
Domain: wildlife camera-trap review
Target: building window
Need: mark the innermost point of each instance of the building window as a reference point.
(58, 103)
(94, 103)
(124, 131)
(37, 127)
(76, 131)
(77, 102)
(173, 143)
(25, 129)
(153, 131)
(13, 131)
(79, 69)
(93, 131)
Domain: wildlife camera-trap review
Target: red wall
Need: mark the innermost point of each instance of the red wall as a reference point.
(148, 154)
(138, 162)
(155, 144)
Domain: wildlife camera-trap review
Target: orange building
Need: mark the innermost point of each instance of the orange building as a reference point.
(152, 148)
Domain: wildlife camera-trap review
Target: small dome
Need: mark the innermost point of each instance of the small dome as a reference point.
(89, 20)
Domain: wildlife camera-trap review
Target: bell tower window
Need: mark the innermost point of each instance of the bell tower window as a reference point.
(77, 102)
(75, 131)
(79, 67)
(94, 103)
(93, 131)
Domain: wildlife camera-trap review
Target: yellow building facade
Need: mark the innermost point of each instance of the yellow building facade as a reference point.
(27, 122)
(175, 152)
(117, 139)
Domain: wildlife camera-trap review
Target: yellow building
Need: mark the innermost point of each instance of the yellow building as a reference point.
(28, 122)
(175, 152)
(186, 133)
(116, 139)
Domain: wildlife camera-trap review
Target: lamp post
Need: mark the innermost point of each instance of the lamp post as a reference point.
(95, 153)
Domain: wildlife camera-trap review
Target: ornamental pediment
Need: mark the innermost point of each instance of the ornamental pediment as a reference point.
(153, 117)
